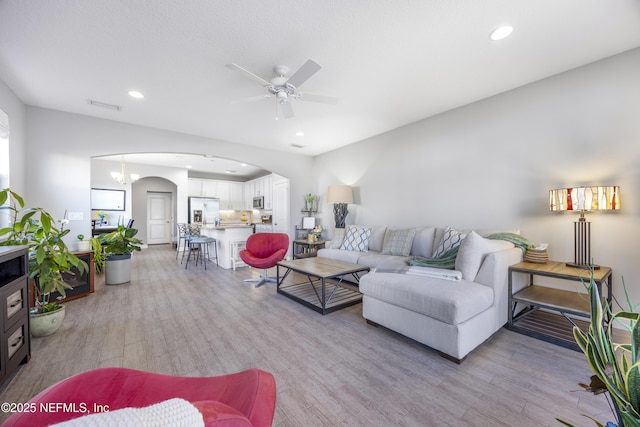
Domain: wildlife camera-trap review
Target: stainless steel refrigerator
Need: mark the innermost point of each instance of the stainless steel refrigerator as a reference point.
(203, 210)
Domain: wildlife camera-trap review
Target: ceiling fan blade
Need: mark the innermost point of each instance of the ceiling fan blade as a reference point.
(249, 74)
(251, 99)
(307, 70)
(312, 97)
(287, 109)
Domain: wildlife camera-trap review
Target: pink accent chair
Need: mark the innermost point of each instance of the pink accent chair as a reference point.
(264, 250)
(246, 398)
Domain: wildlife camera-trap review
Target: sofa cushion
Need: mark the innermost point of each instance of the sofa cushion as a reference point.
(398, 242)
(451, 302)
(422, 245)
(373, 259)
(337, 238)
(356, 239)
(472, 251)
(340, 255)
(377, 238)
(450, 239)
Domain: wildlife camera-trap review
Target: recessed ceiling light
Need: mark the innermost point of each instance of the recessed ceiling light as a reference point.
(501, 32)
(244, 165)
(299, 133)
(136, 94)
(188, 166)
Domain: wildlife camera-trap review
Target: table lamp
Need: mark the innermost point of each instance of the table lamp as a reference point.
(582, 199)
(340, 196)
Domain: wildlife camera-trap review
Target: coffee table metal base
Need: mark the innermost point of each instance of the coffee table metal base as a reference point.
(324, 291)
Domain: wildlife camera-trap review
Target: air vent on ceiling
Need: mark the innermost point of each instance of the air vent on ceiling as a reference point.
(297, 145)
(104, 105)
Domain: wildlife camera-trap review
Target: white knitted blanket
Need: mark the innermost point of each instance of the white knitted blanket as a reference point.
(170, 413)
(414, 270)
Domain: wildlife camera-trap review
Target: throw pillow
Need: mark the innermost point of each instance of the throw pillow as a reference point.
(337, 238)
(451, 239)
(398, 242)
(472, 251)
(356, 239)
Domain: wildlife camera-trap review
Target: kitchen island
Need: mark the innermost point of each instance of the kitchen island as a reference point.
(226, 236)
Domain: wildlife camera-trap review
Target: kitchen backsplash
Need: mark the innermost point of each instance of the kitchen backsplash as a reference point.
(235, 217)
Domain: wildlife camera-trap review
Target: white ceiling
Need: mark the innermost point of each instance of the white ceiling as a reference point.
(390, 63)
(224, 168)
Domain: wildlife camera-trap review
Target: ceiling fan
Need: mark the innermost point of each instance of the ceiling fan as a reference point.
(284, 89)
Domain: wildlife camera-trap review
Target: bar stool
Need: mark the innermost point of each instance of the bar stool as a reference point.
(183, 238)
(201, 244)
(193, 230)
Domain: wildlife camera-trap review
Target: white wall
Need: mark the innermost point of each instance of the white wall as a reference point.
(61, 146)
(492, 163)
(152, 178)
(16, 111)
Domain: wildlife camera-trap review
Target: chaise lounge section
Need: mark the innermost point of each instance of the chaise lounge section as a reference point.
(451, 311)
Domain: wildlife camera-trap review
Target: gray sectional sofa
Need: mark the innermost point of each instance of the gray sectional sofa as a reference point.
(451, 311)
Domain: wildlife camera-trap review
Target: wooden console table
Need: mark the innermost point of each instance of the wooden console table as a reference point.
(550, 313)
(82, 284)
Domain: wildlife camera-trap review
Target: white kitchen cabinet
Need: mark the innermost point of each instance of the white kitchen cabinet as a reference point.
(230, 194)
(210, 188)
(194, 187)
(236, 195)
(248, 195)
(267, 188)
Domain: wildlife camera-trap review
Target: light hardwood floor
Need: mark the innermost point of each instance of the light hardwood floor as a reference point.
(330, 370)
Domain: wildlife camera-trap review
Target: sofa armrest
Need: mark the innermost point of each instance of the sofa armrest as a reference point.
(494, 272)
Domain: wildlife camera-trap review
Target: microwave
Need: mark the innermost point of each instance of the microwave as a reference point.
(258, 202)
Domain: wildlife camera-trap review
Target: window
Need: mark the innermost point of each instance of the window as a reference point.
(4, 162)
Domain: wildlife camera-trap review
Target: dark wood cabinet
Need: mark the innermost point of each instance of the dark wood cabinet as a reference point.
(15, 341)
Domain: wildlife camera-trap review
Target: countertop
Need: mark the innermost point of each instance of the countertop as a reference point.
(225, 226)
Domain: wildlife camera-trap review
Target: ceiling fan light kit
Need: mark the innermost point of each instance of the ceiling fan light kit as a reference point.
(285, 88)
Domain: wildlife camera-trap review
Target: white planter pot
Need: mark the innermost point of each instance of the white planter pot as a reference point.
(118, 269)
(84, 246)
(43, 324)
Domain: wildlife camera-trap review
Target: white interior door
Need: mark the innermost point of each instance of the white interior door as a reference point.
(159, 218)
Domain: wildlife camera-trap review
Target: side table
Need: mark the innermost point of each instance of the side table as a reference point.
(547, 310)
(306, 249)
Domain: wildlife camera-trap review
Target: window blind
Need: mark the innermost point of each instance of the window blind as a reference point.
(4, 125)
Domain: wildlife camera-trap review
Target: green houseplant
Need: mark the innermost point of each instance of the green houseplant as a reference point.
(310, 200)
(118, 246)
(49, 256)
(616, 366)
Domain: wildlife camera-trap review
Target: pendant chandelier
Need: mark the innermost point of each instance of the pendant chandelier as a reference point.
(121, 177)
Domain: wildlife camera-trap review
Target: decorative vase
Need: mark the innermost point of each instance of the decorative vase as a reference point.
(43, 324)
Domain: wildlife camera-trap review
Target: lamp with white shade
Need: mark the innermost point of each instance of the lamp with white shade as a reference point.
(340, 196)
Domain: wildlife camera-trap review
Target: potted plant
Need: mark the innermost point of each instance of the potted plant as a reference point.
(83, 245)
(309, 200)
(616, 366)
(118, 246)
(49, 257)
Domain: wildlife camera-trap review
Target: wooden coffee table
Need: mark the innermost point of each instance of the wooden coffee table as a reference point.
(319, 283)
